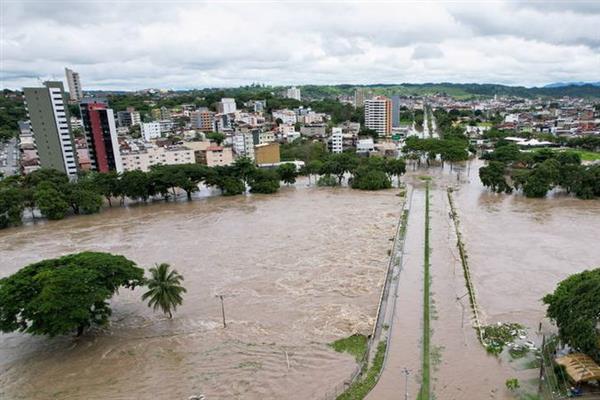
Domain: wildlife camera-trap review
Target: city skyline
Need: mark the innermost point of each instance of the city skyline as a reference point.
(187, 45)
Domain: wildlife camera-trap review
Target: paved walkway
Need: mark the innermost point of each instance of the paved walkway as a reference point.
(405, 329)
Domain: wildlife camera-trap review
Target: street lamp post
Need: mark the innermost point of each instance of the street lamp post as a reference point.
(220, 296)
(406, 373)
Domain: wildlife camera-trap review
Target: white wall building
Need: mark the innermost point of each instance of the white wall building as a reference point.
(150, 130)
(378, 115)
(75, 90)
(243, 145)
(365, 146)
(143, 159)
(226, 106)
(337, 140)
(293, 93)
(287, 116)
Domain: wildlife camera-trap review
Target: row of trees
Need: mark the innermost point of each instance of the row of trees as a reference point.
(451, 150)
(367, 173)
(538, 172)
(71, 293)
(54, 195)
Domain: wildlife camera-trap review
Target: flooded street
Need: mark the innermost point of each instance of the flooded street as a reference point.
(298, 270)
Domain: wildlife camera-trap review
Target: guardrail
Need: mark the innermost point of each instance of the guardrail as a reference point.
(466, 271)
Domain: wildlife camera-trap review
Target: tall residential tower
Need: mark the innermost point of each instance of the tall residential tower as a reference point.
(49, 119)
(101, 134)
(75, 91)
(378, 115)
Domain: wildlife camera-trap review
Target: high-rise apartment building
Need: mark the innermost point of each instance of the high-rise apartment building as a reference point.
(226, 106)
(359, 97)
(75, 90)
(203, 119)
(101, 135)
(293, 93)
(336, 141)
(395, 111)
(49, 116)
(129, 117)
(150, 130)
(378, 115)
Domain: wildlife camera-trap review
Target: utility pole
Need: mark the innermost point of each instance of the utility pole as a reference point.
(220, 296)
(542, 364)
(406, 373)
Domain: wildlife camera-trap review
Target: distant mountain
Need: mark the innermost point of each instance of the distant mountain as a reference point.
(563, 84)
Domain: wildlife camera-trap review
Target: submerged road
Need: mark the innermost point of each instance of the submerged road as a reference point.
(456, 355)
(405, 329)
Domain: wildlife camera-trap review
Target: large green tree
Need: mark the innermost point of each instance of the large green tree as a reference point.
(575, 307)
(11, 207)
(164, 289)
(264, 181)
(395, 167)
(287, 172)
(493, 176)
(63, 295)
(51, 203)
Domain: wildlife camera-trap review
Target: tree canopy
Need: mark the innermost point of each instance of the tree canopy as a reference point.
(66, 294)
(575, 307)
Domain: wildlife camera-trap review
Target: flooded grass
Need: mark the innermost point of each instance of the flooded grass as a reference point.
(355, 345)
(424, 393)
(496, 337)
(362, 387)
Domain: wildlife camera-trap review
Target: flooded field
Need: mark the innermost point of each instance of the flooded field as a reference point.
(297, 269)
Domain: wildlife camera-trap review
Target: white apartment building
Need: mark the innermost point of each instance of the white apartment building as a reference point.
(243, 145)
(365, 146)
(75, 90)
(378, 115)
(311, 118)
(293, 93)
(287, 116)
(150, 130)
(128, 118)
(226, 106)
(337, 140)
(266, 137)
(166, 125)
(143, 159)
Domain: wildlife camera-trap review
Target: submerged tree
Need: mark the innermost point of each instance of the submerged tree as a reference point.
(164, 289)
(493, 176)
(63, 295)
(575, 307)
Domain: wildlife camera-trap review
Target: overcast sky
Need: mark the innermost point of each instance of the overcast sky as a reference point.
(191, 44)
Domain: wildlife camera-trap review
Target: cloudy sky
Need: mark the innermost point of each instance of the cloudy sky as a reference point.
(193, 44)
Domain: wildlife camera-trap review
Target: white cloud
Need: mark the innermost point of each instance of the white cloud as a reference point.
(137, 44)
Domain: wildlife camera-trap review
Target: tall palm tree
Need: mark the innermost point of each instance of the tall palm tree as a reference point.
(164, 289)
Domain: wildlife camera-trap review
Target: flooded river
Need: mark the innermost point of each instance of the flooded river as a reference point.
(297, 269)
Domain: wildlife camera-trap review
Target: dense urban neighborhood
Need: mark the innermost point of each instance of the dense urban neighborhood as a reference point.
(67, 151)
(82, 134)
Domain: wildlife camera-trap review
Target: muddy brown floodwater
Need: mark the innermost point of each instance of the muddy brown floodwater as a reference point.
(297, 269)
(518, 250)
